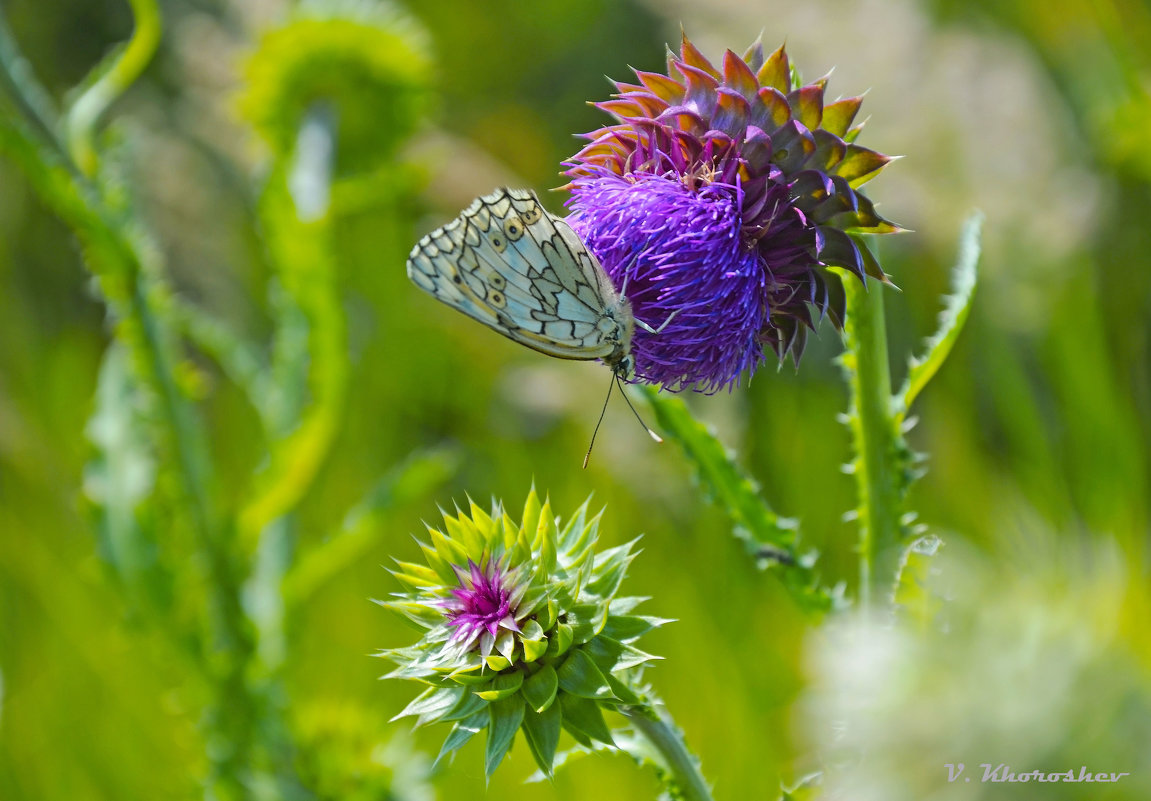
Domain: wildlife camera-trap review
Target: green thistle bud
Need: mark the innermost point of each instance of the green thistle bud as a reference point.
(523, 629)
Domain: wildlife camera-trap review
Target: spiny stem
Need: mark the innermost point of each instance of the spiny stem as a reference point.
(876, 434)
(663, 734)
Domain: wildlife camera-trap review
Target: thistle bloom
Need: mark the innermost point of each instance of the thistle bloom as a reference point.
(485, 602)
(523, 629)
(716, 203)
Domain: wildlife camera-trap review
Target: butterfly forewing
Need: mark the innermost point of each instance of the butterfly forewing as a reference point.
(512, 266)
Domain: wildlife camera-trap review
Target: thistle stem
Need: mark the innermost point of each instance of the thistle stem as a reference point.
(659, 730)
(875, 431)
(125, 68)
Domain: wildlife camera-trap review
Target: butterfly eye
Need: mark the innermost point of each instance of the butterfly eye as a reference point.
(532, 215)
(497, 299)
(499, 243)
(497, 281)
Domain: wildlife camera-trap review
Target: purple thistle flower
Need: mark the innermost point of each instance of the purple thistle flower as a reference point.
(485, 602)
(716, 203)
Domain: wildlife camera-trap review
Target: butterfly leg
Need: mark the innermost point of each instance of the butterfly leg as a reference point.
(651, 330)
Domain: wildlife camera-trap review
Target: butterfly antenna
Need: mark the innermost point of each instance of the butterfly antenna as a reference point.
(646, 428)
(591, 444)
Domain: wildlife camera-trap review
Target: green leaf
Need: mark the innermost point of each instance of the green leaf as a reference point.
(547, 615)
(542, 730)
(496, 662)
(533, 641)
(467, 535)
(564, 758)
(469, 676)
(724, 481)
(579, 676)
(622, 691)
(913, 597)
(109, 79)
(951, 319)
(462, 732)
(531, 518)
(611, 655)
(531, 602)
(120, 481)
(431, 704)
(626, 628)
(584, 719)
(729, 487)
(416, 576)
(416, 611)
(586, 621)
(574, 529)
(531, 630)
(506, 716)
(806, 789)
(560, 641)
(450, 551)
(503, 686)
(540, 688)
(469, 705)
(437, 563)
(610, 567)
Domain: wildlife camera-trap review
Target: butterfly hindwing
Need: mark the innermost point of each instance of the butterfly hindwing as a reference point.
(512, 266)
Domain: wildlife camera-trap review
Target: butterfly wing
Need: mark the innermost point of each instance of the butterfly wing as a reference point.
(512, 266)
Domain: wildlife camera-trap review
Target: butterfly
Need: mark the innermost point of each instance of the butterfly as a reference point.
(508, 263)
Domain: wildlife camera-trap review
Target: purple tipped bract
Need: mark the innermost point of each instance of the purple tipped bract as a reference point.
(716, 203)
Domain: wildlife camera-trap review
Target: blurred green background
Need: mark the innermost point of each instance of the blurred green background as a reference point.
(1037, 428)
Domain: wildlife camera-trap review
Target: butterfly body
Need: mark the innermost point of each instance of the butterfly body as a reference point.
(508, 263)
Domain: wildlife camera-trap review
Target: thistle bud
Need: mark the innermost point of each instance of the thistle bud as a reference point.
(523, 630)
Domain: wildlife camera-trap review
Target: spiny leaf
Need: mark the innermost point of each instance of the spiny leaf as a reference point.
(730, 488)
(579, 675)
(724, 480)
(462, 732)
(630, 627)
(431, 704)
(912, 595)
(503, 686)
(583, 718)
(506, 716)
(540, 689)
(951, 320)
(542, 730)
(121, 478)
(806, 789)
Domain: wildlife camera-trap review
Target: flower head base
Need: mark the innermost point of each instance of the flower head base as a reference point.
(523, 629)
(717, 202)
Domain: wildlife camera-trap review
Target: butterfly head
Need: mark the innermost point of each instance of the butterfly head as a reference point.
(625, 367)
